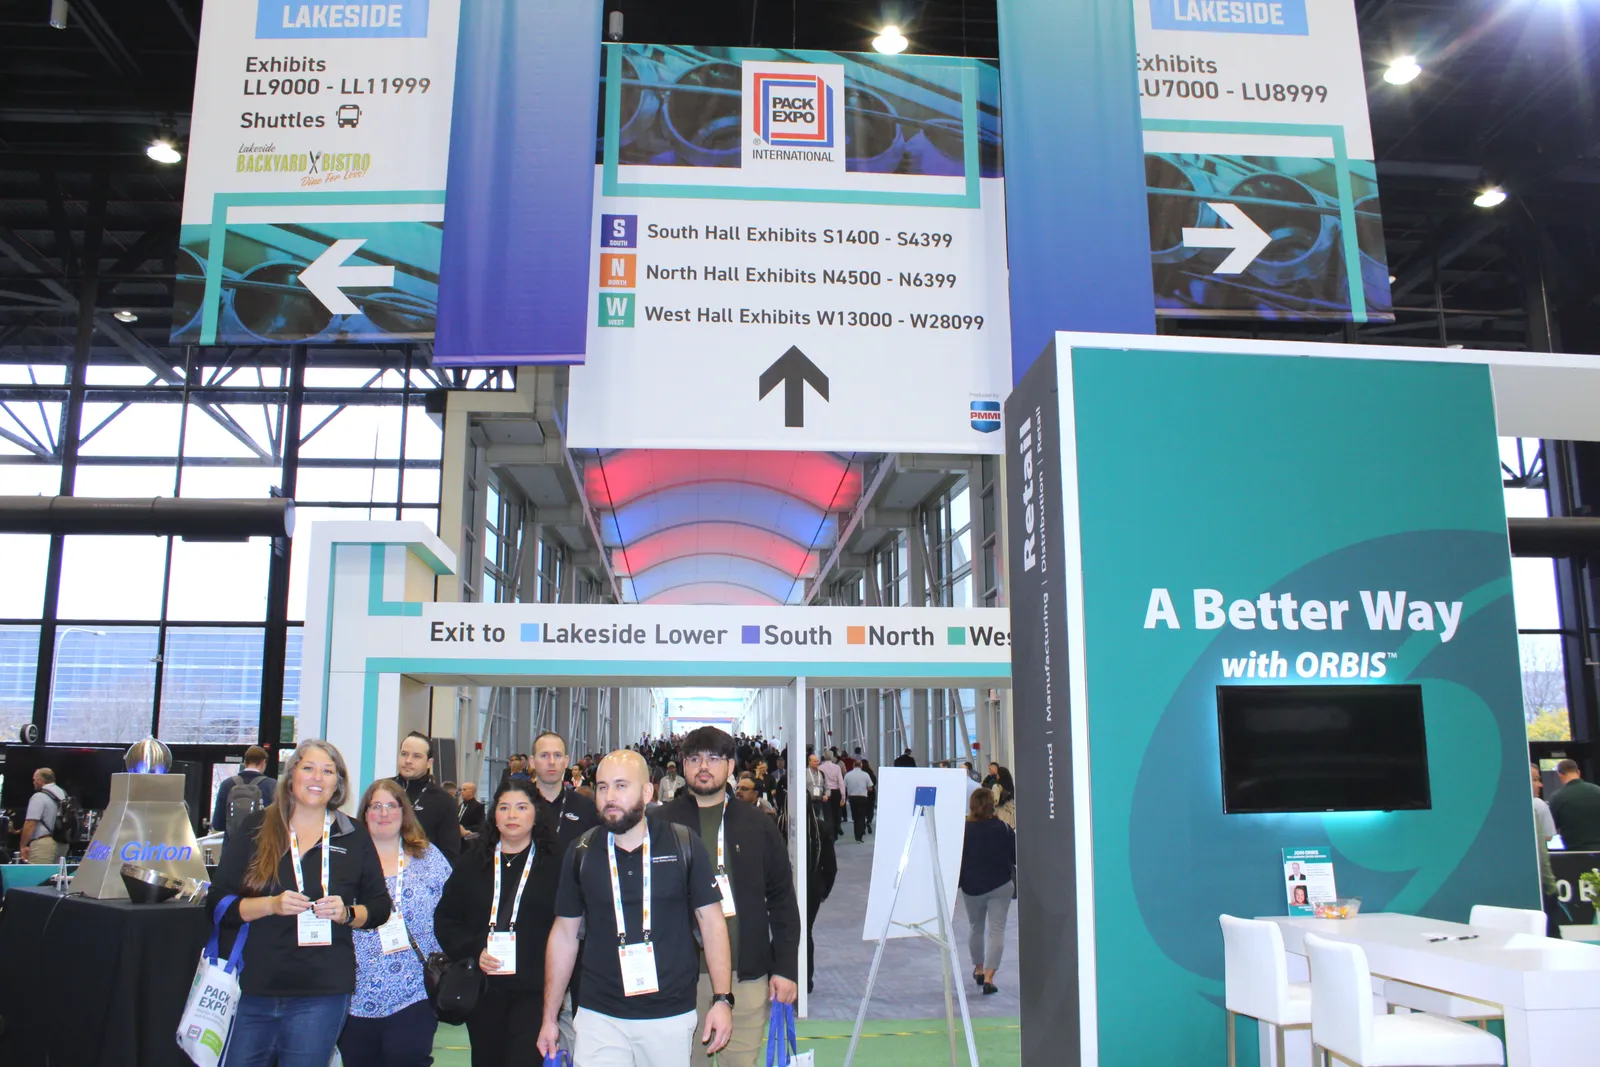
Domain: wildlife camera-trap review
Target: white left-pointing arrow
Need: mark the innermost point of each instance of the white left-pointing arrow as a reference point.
(327, 275)
(1241, 234)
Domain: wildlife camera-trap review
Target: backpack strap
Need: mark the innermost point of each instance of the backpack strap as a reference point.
(680, 834)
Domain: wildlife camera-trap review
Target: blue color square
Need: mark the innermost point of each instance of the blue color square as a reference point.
(530, 631)
(619, 231)
(925, 794)
(750, 635)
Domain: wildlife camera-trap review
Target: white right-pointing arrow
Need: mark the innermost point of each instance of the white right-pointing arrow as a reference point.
(1241, 234)
(327, 273)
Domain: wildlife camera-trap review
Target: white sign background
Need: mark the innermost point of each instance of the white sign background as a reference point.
(897, 789)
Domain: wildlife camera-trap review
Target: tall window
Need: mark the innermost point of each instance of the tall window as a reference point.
(1540, 633)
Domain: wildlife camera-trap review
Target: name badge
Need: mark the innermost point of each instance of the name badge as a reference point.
(726, 889)
(314, 931)
(392, 934)
(638, 969)
(503, 947)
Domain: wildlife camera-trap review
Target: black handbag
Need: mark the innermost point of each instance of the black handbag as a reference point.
(453, 987)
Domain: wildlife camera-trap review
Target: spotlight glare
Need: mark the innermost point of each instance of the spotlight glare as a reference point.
(163, 152)
(891, 42)
(124, 316)
(1493, 196)
(1402, 70)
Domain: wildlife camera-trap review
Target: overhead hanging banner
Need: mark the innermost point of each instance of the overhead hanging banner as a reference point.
(314, 197)
(1263, 195)
(782, 240)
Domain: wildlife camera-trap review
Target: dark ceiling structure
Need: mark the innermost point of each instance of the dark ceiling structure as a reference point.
(1507, 95)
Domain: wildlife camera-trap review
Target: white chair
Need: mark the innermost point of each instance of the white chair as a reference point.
(1421, 998)
(1343, 1025)
(1257, 977)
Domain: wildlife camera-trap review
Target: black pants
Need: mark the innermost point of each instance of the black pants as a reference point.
(404, 1039)
(835, 803)
(860, 812)
(505, 1028)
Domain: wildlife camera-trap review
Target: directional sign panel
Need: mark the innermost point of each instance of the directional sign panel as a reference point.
(1263, 195)
(796, 250)
(314, 198)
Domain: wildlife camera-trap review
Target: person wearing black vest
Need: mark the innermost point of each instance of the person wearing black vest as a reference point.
(436, 809)
(306, 874)
(518, 853)
(752, 867)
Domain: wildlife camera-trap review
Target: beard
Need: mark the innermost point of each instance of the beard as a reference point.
(622, 822)
(709, 790)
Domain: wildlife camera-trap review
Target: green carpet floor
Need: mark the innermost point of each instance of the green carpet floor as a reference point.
(884, 1043)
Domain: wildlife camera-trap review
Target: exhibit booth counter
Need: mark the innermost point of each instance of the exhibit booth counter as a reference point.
(1192, 665)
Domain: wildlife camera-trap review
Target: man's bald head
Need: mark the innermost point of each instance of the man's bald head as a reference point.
(622, 789)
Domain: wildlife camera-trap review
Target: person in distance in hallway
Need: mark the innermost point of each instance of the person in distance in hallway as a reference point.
(671, 783)
(751, 865)
(497, 908)
(834, 776)
(1576, 807)
(905, 759)
(988, 866)
(640, 965)
(436, 809)
(858, 788)
(253, 769)
(469, 810)
(306, 876)
(750, 793)
(39, 822)
(569, 812)
(822, 868)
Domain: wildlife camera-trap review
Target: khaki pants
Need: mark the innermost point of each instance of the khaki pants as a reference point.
(45, 850)
(604, 1041)
(749, 1041)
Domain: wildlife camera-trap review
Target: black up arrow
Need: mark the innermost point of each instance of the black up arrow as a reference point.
(794, 368)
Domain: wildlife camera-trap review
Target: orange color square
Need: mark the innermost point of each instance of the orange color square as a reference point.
(617, 270)
(855, 635)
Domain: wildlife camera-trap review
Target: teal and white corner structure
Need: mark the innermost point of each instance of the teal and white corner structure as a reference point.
(376, 641)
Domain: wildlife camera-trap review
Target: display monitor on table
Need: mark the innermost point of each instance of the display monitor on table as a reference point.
(1299, 748)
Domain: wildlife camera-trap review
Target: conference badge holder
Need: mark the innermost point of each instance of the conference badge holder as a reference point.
(392, 935)
(503, 947)
(638, 961)
(313, 930)
(503, 943)
(638, 969)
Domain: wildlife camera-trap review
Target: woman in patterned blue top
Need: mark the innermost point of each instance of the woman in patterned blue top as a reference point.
(391, 1022)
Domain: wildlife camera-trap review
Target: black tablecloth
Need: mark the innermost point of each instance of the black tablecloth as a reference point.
(100, 983)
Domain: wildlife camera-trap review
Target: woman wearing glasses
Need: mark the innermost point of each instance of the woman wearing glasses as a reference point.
(498, 908)
(391, 1022)
(306, 876)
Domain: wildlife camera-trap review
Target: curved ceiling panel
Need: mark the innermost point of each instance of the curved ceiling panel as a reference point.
(714, 538)
(729, 570)
(749, 505)
(824, 480)
(714, 593)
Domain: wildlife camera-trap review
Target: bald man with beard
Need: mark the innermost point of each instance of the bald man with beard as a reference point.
(636, 996)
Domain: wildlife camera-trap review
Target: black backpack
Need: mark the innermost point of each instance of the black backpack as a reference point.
(69, 817)
(244, 800)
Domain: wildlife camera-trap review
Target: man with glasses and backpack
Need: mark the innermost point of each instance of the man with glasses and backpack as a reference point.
(49, 825)
(245, 793)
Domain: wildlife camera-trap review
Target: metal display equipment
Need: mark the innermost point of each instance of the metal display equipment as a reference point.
(376, 643)
(147, 823)
(941, 936)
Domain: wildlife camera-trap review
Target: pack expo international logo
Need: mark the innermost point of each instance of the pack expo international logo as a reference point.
(794, 110)
(790, 116)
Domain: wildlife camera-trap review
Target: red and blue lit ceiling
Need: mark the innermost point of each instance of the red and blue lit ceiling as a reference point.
(711, 527)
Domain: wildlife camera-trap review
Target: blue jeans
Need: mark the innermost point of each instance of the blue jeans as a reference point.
(288, 1031)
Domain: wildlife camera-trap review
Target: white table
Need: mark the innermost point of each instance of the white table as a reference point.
(1548, 988)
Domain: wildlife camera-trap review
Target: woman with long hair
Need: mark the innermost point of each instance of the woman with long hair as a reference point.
(392, 1022)
(1005, 796)
(988, 860)
(498, 908)
(307, 876)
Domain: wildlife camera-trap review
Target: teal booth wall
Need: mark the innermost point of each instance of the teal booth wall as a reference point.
(1318, 477)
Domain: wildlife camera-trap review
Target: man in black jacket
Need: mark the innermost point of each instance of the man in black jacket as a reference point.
(569, 811)
(469, 810)
(436, 809)
(751, 863)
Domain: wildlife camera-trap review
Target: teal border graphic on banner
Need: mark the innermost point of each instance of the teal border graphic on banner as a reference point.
(1349, 245)
(613, 185)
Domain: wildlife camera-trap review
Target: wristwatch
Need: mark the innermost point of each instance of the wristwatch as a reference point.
(722, 998)
(349, 913)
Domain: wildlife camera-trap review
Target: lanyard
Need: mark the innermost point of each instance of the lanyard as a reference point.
(294, 849)
(722, 834)
(516, 902)
(400, 874)
(616, 888)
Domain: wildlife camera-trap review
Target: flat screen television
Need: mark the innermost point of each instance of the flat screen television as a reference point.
(1298, 748)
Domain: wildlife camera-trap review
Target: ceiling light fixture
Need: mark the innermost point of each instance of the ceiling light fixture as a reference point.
(1402, 69)
(124, 316)
(58, 14)
(1493, 196)
(891, 42)
(162, 151)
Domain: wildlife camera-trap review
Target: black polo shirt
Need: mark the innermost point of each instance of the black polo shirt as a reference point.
(675, 892)
(570, 814)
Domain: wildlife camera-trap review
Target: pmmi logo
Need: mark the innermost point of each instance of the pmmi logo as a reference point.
(794, 109)
(986, 415)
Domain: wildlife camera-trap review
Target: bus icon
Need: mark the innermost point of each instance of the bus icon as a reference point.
(349, 115)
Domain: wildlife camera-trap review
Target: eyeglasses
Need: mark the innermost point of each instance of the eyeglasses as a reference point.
(704, 760)
(747, 789)
(384, 809)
